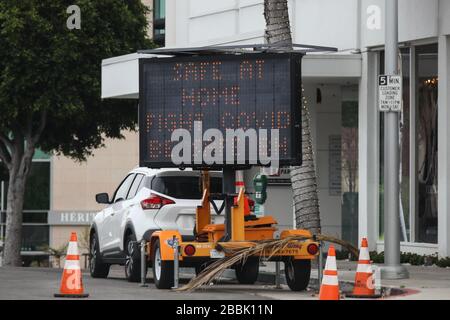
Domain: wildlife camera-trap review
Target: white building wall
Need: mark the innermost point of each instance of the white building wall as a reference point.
(444, 147)
(327, 123)
(444, 14)
(325, 22)
(368, 151)
(206, 22)
(418, 19)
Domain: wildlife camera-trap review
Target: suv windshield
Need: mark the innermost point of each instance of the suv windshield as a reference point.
(184, 187)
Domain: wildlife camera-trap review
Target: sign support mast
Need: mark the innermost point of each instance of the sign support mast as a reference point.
(392, 268)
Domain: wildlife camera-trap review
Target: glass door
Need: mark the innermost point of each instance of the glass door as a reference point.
(418, 146)
(426, 145)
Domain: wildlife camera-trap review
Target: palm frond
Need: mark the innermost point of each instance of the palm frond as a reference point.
(236, 254)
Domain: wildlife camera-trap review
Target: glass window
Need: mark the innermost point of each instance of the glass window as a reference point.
(184, 187)
(35, 232)
(39, 154)
(35, 237)
(37, 192)
(35, 217)
(134, 187)
(405, 147)
(349, 171)
(37, 189)
(159, 21)
(427, 170)
(122, 190)
(159, 8)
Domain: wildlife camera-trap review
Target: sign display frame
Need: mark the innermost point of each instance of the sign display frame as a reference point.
(293, 81)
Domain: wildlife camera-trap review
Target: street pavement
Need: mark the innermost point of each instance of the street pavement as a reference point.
(41, 283)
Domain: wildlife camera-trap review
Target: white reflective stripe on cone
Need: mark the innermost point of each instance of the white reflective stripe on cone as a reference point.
(331, 263)
(239, 179)
(364, 254)
(330, 280)
(73, 248)
(365, 268)
(72, 265)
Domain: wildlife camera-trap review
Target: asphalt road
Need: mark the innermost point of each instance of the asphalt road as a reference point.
(42, 283)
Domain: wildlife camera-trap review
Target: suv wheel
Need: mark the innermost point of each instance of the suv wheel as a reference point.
(97, 268)
(162, 269)
(133, 260)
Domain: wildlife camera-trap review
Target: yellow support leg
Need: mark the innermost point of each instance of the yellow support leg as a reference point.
(203, 212)
(237, 219)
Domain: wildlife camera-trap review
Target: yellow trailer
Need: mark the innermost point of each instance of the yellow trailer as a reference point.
(209, 243)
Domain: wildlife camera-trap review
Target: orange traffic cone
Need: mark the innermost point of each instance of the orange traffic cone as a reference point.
(364, 287)
(329, 290)
(71, 282)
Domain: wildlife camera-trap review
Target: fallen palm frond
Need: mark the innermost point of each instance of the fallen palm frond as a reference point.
(237, 254)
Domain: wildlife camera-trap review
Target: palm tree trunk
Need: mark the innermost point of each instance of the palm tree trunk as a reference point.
(303, 178)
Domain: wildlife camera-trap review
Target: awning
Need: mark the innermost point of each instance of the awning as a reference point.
(120, 75)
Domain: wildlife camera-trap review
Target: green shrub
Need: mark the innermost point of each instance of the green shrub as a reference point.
(377, 257)
(405, 257)
(444, 262)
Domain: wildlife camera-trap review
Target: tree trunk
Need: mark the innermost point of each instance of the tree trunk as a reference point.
(18, 174)
(303, 178)
(14, 216)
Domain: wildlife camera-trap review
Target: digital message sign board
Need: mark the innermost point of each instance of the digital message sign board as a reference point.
(206, 96)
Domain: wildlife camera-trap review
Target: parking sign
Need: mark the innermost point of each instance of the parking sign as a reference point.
(390, 93)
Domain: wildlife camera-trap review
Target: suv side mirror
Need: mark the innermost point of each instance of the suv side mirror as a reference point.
(102, 198)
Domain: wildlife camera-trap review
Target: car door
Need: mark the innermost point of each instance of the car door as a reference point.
(111, 244)
(120, 216)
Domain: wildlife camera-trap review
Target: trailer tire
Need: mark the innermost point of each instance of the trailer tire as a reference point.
(297, 273)
(201, 266)
(162, 269)
(247, 273)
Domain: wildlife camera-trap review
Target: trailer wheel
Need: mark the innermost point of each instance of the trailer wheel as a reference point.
(247, 273)
(200, 267)
(297, 273)
(162, 269)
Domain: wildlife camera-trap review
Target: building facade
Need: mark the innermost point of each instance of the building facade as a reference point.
(341, 91)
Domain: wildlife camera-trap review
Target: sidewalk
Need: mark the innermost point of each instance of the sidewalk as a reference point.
(425, 282)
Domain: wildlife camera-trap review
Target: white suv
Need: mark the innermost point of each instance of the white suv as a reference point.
(147, 200)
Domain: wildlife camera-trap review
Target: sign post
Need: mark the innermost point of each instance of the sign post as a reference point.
(390, 102)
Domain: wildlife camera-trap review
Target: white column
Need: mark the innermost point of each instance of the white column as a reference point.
(368, 151)
(444, 146)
